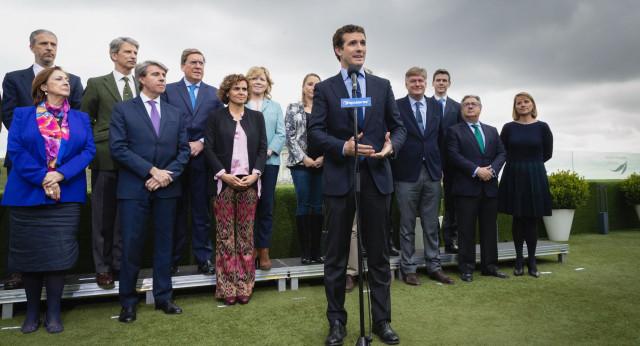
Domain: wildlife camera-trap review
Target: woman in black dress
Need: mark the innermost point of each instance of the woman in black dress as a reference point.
(524, 187)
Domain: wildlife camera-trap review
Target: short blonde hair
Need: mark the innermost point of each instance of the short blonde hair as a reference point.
(255, 72)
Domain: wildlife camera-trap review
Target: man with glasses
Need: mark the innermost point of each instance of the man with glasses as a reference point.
(450, 116)
(195, 99)
(475, 156)
(101, 94)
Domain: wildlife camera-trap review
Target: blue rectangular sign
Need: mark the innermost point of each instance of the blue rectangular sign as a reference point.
(357, 102)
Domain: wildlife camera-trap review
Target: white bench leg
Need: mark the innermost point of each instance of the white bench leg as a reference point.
(7, 311)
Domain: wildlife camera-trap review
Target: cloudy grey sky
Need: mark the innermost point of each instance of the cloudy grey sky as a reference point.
(579, 59)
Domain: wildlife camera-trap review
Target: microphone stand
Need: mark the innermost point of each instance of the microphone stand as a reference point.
(363, 340)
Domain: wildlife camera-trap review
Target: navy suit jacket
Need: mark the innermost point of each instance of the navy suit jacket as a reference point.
(464, 156)
(177, 95)
(137, 148)
(26, 148)
(16, 92)
(330, 126)
(418, 145)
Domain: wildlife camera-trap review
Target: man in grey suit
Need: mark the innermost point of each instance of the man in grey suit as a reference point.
(451, 115)
(101, 94)
(16, 89)
(417, 171)
(195, 99)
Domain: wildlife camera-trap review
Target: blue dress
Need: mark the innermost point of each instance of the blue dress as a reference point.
(524, 187)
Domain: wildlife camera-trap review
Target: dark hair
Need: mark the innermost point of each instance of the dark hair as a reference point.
(228, 82)
(441, 71)
(338, 37)
(41, 78)
(471, 97)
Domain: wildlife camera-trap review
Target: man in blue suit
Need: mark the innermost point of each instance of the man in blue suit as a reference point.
(475, 157)
(148, 140)
(331, 132)
(16, 89)
(450, 116)
(417, 171)
(195, 99)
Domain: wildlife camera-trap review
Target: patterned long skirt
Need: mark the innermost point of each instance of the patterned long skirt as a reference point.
(235, 268)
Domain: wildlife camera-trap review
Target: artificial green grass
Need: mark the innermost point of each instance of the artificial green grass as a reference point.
(594, 306)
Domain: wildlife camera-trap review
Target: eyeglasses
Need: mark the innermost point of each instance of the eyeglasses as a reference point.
(471, 104)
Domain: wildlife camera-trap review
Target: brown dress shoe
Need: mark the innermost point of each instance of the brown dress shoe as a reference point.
(412, 279)
(104, 279)
(439, 275)
(350, 284)
(14, 282)
(265, 262)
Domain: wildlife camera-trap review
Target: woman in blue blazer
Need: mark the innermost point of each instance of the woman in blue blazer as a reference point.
(260, 100)
(50, 146)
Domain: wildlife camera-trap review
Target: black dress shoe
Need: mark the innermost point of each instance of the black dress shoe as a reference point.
(14, 282)
(319, 259)
(535, 274)
(206, 268)
(127, 315)
(518, 271)
(337, 333)
(383, 330)
(306, 261)
(466, 277)
(497, 274)
(451, 248)
(169, 307)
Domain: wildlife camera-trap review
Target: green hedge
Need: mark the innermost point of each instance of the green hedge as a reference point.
(284, 241)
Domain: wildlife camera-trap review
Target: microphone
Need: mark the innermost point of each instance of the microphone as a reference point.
(353, 71)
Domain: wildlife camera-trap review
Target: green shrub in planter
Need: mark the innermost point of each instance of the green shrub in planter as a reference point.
(568, 190)
(631, 189)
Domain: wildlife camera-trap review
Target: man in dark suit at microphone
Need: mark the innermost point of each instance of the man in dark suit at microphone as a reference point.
(331, 131)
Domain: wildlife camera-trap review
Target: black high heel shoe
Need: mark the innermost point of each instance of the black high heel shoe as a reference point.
(519, 271)
(306, 261)
(532, 268)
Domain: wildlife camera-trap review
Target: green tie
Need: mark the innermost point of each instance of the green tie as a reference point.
(478, 134)
(127, 94)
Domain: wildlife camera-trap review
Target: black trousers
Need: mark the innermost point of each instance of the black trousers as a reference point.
(374, 216)
(481, 210)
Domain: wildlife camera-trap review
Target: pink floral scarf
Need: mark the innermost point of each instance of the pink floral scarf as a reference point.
(55, 136)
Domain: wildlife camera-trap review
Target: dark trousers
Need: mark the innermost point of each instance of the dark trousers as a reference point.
(374, 209)
(449, 224)
(193, 182)
(481, 210)
(264, 211)
(106, 241)
(134, 214)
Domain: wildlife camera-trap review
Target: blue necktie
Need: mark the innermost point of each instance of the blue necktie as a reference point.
(155, 116)
(192, 95)
(419, 117)
(442, 102)
(360, 109)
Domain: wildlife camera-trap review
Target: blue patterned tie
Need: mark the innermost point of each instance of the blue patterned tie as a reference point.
(419, 116)
(442, 102)
(192, 95)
